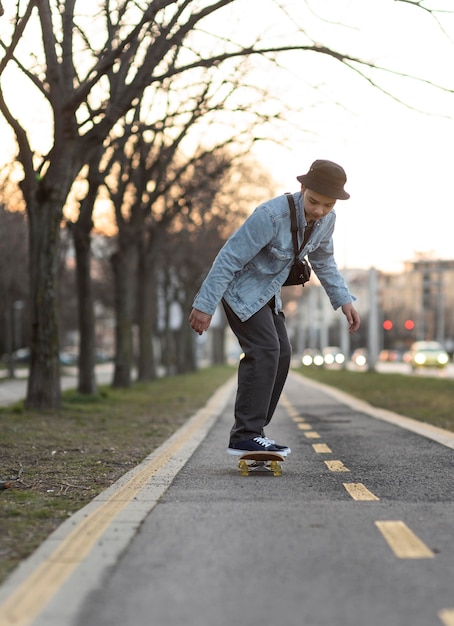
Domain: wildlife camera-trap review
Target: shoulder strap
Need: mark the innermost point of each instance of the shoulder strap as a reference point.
(293, 222)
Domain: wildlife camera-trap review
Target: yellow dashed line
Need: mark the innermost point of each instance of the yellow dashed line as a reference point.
(289, 407)
(298, 420)
(304, 426)
(447, 617)
(359, 492)
(402, 541)
(311, 434)
(321, 448)
(336, 466)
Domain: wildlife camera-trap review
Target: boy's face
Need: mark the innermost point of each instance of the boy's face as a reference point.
(316, 205)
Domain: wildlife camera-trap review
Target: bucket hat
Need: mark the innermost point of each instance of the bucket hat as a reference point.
(326, 178)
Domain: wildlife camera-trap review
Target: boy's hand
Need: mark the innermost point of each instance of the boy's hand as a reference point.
(199, 321)
(352, 316)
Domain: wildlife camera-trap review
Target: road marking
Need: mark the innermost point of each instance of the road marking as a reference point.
(311, 434)
(359, 492)
(293, 413)
(402, 541)
(321, 448)
(304, 426)
(28, 600)
(336, 466)
(447, 617)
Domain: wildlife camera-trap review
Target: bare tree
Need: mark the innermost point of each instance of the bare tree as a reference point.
(81, 230)
(145, 183)
(190, 243)
(209, 213)
(91, 67)
(13, 282)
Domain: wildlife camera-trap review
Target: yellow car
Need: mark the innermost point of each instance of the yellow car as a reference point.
(428, 354)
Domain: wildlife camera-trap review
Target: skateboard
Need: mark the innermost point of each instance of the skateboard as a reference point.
(260, 462)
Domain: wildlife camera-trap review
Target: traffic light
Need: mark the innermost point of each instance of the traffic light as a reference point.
(409, 324)
(387, 324)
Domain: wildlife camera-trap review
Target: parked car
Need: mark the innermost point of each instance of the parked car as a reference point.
(428, 354)
(311, 356)
(69, 356)
(22, 355)
(390, 356)
(333, 356)
(359, 357)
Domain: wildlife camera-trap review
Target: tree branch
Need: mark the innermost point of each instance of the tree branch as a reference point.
(18, 31)
(432, 12)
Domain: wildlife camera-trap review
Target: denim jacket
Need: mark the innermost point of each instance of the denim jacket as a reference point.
(255, 261)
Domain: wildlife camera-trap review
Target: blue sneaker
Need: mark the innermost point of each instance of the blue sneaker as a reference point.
(281, 449)
(257, 444)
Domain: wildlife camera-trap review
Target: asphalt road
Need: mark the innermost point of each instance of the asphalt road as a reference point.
(358, 531)
(13, 390)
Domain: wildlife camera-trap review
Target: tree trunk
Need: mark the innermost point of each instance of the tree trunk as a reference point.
(186, 346)
(218, 349)
(123, 263)
(43, 390)
(146, 310)
(8, 338)
(186, 361)
(87, 330)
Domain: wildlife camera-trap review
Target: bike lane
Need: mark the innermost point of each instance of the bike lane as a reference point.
(357, 531)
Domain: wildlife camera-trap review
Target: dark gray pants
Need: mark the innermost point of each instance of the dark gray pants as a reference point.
(262, 371)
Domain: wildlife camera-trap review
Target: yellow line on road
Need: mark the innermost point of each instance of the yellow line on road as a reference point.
(402, 541)
(336, 466)
(359, 492)
(291, 411)
(311, 434)
(29, 599)
(304, 426)
(321, 448)
(447, 617)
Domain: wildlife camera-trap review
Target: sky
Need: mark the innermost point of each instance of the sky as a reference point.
(399, 161)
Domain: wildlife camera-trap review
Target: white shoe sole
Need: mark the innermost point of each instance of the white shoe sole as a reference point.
(235, 452)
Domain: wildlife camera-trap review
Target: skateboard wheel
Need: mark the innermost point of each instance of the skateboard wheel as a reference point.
(243, 467)
(276, 468)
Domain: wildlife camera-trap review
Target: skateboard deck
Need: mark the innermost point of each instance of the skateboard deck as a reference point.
(260, 462)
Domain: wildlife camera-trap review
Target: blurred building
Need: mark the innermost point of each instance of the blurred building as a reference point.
(418, 302)
(415, 304)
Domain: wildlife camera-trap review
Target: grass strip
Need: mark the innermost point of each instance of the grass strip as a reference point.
(424, 398)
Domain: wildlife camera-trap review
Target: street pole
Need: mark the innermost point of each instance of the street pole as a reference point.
(344, 337)
(373, 338)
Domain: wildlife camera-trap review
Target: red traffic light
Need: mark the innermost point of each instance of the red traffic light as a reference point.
(409, 324)
(387, 324)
